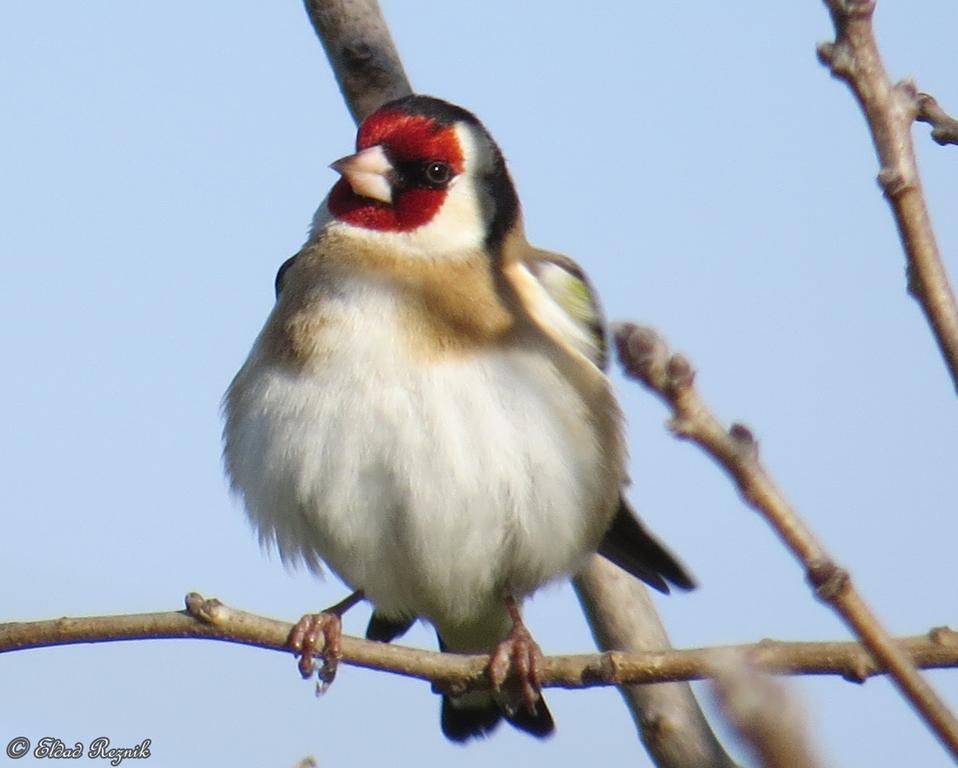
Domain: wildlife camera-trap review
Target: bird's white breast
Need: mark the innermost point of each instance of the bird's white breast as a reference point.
(438, 486)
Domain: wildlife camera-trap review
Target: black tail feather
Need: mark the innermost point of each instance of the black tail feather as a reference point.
(386, 630)
(630, 546)
(539, 725)
(463, 723)
(479, 718)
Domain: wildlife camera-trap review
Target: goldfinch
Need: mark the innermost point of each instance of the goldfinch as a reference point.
(425, 410)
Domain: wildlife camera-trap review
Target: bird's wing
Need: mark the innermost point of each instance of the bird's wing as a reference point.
(633, 548)
(568, 286)
(627, 543)
(281, 274)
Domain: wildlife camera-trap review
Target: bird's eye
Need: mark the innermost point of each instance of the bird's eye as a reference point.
(437, 172)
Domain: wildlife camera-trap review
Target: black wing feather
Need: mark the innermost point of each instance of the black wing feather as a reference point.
(281, 273)
(630, 546)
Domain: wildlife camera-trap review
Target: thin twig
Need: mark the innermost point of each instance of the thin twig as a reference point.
(209, 619)
(944, 128)
(890, 111)
(644, 356)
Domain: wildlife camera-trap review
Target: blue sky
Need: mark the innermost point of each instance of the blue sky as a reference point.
(158, 163)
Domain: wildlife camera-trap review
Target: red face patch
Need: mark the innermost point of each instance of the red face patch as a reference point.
(406, 139)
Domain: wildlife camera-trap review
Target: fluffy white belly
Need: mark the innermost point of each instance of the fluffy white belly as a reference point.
(436, 486)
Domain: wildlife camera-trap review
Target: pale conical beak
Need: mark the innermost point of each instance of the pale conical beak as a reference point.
(368, 173)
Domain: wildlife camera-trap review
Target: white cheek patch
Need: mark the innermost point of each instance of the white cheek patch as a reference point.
(321, 219)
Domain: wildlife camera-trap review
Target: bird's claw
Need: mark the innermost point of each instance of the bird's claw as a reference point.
(318, 634)
(518, 657)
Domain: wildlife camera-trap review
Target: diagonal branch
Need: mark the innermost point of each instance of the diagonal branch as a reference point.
(644, 356)
(668, 717)
(209, 619)
(889, 111)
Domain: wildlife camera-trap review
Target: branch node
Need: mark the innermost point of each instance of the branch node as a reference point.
(828, 579)
(909, 90)
(825, 52)
(744, 440)
(611, 666)
(913, 284)
(837, 57)
(658, 724)
(858, 671)
(944, 126)
(893, 182)
(680, 373)
(944, 636)
(643, 353)
(209, 611)
(852, 9)
(681, 427)
(356, 53)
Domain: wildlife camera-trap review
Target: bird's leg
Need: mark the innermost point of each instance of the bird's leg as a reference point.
(518, 655)
(305, 640)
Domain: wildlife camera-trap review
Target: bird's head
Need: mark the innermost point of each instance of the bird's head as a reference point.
(428, 171)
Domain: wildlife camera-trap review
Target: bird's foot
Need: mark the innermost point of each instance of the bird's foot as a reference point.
(518, 657)
(318, 634)
(321, 634)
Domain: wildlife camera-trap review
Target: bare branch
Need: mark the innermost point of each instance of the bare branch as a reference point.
(890, 110)
(644, 356)
(212, 620)
(361, 52)
(667, 717)
(944, 128)
(764, 714)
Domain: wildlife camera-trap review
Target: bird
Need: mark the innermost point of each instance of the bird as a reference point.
(426, 412)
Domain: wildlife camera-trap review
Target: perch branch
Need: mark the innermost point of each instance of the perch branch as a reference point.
(212, 620)
(644, 356)
(889, 111)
